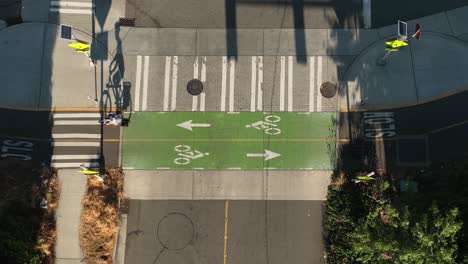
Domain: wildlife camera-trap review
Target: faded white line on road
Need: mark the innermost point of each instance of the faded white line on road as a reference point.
(137, 84)
(290, 84)
(259, 84)
(71, 4)
(144, 102)
(203, 79)
(366, 11)
(166, 83)
(74, 164)
(74, 135)
(253, 83)
(232, 74)
(71, 11)
(175, 67)
(76, 115)
(74, 157)
(75, 144)
(76, 122)
(282, 83)
(319, 83)
(223, 84)
(312, 84)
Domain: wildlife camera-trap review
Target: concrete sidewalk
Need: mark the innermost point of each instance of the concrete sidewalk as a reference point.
(72, 189)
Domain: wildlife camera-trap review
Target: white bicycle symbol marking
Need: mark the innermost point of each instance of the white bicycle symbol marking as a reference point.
(268, 125)
(186, 154)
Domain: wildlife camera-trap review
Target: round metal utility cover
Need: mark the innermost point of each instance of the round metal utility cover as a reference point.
(194, 87)
(328, 89)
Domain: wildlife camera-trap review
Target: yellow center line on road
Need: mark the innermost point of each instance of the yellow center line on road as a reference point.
(226, 217)
(227, 139)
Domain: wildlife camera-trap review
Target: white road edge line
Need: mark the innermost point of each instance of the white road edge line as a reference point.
(253, 83)
(138, 84)
(312, 84)
(259, 84)
(290, 84)
(223, 84)
(282, 80)
(175, 67)
(166, 83)
(232, 74)
(144, 102)
(319, 83)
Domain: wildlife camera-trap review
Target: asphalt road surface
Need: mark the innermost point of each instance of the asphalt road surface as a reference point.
(205, 232)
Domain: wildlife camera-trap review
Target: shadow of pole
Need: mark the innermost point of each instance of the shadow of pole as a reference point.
(231, 31)
(299, 31)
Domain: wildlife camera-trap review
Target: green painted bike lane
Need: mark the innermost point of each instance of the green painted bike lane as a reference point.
(214, 140)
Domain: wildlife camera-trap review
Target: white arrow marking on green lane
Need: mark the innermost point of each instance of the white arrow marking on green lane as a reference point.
(189, 125)
(268, 155)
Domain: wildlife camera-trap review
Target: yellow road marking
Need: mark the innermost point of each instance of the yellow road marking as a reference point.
(226, 216)
(226, 140)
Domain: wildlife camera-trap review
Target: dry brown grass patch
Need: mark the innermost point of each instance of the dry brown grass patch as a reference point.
(100, 217)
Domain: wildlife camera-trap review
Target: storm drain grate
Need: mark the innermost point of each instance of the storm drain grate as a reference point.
(127, 21)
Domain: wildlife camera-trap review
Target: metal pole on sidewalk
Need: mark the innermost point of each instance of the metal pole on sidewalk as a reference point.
(382, 60)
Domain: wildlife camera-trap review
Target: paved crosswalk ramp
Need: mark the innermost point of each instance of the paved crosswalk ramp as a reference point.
(76, 140)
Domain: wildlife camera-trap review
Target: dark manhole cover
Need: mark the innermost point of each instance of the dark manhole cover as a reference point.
(175, 231)
(328, 89)
(195, 87)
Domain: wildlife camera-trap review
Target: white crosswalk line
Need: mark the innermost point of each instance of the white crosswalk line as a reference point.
(71, 4)
(290, 84)
(175, 67)
(144, 102)
(223, 84)
(75, 135)
(137, 84)
(202, 102)
(69, 7)
(76, 122)
(195, 76)
(76, 115)
(282, 82)
(312, 84)
(71, 11)
(75, 144)
(74, 164)
(319, 83)
(166, 83)
(75, 157)
(253, 84)
(203, 70)
(232, 74)
(259, 84)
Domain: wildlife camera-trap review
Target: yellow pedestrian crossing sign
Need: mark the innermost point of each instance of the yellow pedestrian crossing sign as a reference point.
(79, 46)
(396, 44)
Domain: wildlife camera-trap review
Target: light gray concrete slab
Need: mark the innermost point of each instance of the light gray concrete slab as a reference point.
(350, 41)
(436, 23)
(218, 42)
(35, 11)
(72, 189)
(458, 19)
(68, 261)
(395, 81)
(232, 185)
(440, 65)
(283, 42)
(153, 41)
(141, 184)
(21, 57)
(215, 185)
(298, 185)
